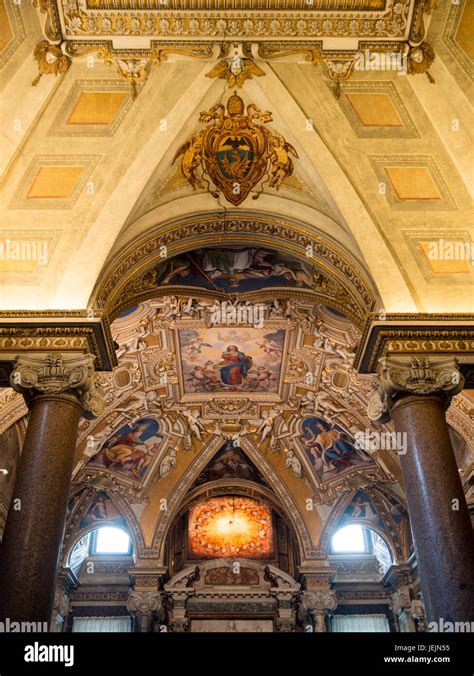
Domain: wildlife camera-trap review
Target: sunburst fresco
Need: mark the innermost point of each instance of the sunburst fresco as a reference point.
(230, 526)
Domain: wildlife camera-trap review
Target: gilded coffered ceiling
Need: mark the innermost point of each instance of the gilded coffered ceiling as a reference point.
(99, 97)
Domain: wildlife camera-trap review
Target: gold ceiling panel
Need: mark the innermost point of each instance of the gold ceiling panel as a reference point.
(55, 182)
(442, 265)
(374, 110)
(413, 183)
(97, 108)
(465, 30)
(25, 254)
(12, 29)
(377, 110)
(442, 255)
(6, 32)
(92, 107)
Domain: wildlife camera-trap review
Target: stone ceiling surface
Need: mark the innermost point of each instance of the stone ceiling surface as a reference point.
(383, 165)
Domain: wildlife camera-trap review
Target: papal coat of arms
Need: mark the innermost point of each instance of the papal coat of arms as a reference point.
(235, 152)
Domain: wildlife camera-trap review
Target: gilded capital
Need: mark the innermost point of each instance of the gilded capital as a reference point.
(57, 373)
(412, 375)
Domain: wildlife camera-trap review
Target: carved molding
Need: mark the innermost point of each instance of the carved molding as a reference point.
(387, 334)
(131, 276)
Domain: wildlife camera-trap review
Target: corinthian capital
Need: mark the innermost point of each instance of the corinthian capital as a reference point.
(145, 601)
(412, 375)
(56, 373)
(319, 600)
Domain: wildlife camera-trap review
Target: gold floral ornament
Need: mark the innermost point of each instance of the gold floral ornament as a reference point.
(51, 60)
(236, 70)
(235, 152)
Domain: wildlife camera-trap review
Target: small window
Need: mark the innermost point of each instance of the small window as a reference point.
(111, 541)
(349, 540)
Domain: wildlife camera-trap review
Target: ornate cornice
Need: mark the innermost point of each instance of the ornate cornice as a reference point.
(35, 332)
(94, 25)
(417, 334)
(214, 21)
(55, 374)
(412, 375)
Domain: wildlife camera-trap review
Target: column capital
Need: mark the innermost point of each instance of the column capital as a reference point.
(412, 374)
(319, 600)
(144, 601)
(57, 373)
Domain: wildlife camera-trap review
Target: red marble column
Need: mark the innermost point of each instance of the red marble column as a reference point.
(35, 523)
(438, 512)
(57, 389)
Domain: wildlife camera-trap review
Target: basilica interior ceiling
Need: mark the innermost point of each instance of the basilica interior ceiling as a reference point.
(110, 103)
(89, 152)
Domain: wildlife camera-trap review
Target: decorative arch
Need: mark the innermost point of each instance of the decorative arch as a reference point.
(389, 534)
(276, 578)
(74, 532)
(178, 496)
(128, 278)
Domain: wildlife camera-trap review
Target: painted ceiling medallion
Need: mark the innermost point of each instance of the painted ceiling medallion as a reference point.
(235, 152)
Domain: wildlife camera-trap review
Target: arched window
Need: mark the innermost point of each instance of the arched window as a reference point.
(356, 539)
(105, 541)
(109, 540)
(350, 540)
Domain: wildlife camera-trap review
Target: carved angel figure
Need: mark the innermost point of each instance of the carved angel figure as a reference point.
(293, 463)
(281, 162)
(192, 158)
(420, 59)
(266, 426)
(167, 463)
(235, 70)
(194, 424)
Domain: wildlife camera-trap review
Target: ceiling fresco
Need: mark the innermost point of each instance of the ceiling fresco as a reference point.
(164, 433)
(223, 360)
(236, 323)
(234, 270)
(230, 526)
